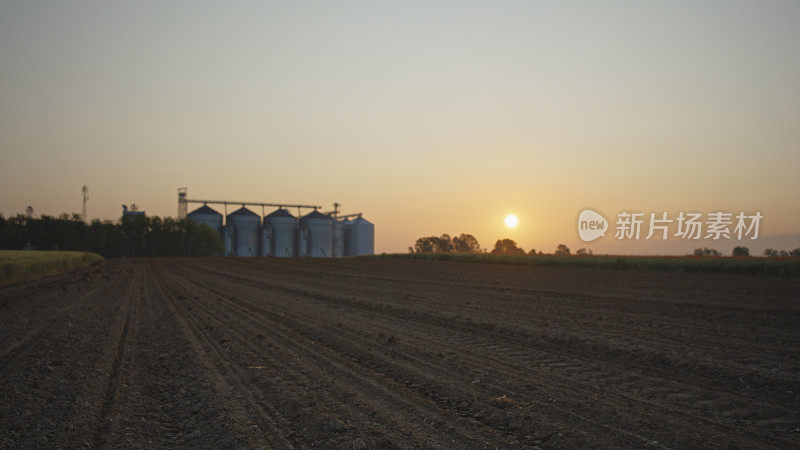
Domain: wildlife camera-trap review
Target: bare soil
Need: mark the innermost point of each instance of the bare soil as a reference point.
(382, 353)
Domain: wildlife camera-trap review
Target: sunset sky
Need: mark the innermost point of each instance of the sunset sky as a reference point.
(430, 117)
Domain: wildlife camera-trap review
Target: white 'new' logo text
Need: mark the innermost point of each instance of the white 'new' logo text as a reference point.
(591, 225)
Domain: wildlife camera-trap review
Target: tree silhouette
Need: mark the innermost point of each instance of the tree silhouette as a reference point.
(740, 251)
(424, 245)
(445, 244)
(466, 243)
(433, 244)
(705, 251)
(507, 247)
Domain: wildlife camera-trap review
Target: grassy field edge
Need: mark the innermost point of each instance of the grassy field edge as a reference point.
(685, 264)
(20, 265)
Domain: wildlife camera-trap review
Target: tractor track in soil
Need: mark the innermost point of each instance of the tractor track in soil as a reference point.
(269, 353)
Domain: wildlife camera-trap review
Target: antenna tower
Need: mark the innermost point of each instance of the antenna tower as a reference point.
(85, 194)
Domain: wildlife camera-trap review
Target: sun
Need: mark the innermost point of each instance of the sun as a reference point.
(511, 221)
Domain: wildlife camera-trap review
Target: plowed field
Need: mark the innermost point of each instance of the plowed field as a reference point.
(364, 353)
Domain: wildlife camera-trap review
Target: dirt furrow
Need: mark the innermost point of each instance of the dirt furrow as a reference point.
(40, 315)
(57, 372)
(426, 385)
(250, 419)
(638, 359)
(131, 299)
(733, 404)
(620, 348)
(368, 386)
(674, 327)
(384, 353)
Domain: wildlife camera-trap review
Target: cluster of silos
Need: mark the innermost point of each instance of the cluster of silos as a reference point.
(280, 234)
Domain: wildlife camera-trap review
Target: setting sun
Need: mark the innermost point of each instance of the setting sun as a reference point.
(511, 221)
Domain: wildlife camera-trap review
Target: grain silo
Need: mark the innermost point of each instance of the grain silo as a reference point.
(320, 232)
(208, 216)
(266, 240)
(337, 239)
(227, 240)
(284, 231)
(245, 225)
(302, 242)
(359, 237)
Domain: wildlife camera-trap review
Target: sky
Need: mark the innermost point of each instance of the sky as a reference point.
(429, 117)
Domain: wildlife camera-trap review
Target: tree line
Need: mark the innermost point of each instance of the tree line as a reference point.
(467, 243)
(744, 251)
(132, 236)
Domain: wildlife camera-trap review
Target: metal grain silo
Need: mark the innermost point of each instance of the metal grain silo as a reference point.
(266, 240)
(302, 242)
(245, 225)
(359, 237)
(208, 216)
(337, 239)
(284, 232)
(320, 233)
(227, 240)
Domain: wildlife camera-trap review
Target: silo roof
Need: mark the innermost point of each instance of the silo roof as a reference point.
(280, 212)
(360, 220)
(316, 215)
(205, 210)
(243, 212)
